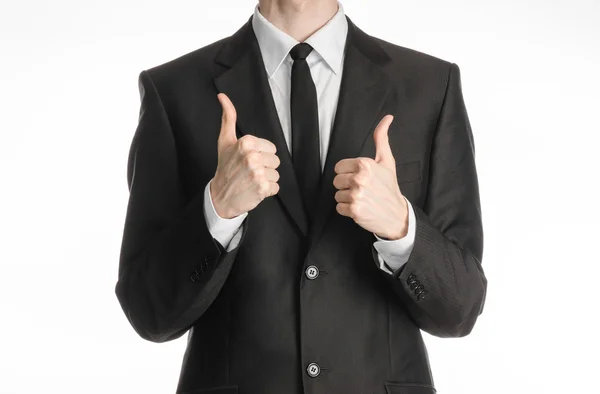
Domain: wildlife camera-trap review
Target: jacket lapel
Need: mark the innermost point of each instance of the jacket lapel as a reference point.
(245, 83)
(365, 94)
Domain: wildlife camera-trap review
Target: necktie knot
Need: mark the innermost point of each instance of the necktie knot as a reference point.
(300, 51)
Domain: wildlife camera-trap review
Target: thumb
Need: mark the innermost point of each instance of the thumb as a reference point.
(383, 152)
(227, 135)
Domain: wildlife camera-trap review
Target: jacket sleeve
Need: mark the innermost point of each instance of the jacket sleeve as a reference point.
(170, 267)
(442, 284)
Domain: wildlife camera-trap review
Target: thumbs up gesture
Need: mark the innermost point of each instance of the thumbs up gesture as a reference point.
(368, 190)
(246, 169)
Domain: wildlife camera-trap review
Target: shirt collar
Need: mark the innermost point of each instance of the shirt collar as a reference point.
(329, 41)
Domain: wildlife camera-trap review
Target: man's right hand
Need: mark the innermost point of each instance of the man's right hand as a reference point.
(246, 169)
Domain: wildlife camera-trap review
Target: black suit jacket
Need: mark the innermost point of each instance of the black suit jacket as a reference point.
(255, 320)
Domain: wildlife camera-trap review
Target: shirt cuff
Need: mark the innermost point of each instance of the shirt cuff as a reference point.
(222, 229)
(395, 253)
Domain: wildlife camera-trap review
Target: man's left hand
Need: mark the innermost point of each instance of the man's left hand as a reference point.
(368, 189)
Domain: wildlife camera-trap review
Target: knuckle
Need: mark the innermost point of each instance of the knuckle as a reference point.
(357, 180)
(258, 174)
(356, 193)
(364, 164)
(354, 209)
(263, 189)
(251, 159)
(246, 143)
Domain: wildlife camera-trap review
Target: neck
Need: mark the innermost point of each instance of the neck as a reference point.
(298, 18)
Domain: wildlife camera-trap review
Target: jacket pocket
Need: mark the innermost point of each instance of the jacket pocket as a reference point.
(214, 390)
(408, 388)
(409, 171)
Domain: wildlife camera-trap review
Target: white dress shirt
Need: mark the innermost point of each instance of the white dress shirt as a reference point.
(326, 64)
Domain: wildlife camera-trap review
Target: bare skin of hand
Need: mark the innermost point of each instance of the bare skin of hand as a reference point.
(368, 189)
(246, 170)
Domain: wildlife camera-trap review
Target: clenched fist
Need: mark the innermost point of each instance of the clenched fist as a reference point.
(368, 189)
(246, 170)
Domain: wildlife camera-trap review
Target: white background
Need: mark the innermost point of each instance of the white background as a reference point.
(68, 109)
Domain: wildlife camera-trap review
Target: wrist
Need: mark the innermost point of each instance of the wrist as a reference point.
(402, 231)
(218, 205)
(398, 235)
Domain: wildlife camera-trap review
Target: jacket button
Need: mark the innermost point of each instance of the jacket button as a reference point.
(312, 272)
(422, 295)
(411, 279)
(414, 284)
(208, 257)
(419, 289)
(313, 370)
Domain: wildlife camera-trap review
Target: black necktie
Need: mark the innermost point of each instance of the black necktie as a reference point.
(305, 129)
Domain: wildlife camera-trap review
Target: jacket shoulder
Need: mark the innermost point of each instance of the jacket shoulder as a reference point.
(408, 63)
(197, 62)
(398, 52)
(416, 71)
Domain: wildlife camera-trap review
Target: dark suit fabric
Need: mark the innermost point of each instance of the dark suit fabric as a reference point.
(255, 321)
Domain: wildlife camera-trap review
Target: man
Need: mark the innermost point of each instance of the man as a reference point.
(303, 201)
